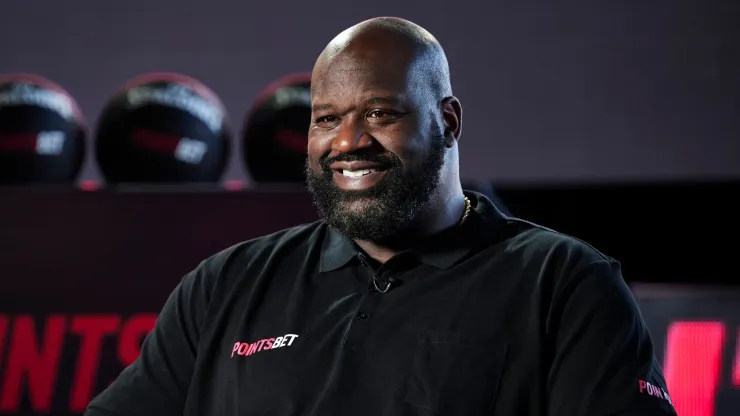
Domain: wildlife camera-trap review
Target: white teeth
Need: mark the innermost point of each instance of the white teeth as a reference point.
(356, 173)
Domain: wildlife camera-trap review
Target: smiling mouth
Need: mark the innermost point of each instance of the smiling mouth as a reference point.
(357, 173)
(358, 178)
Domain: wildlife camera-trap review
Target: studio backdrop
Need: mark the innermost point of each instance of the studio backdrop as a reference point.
(551, 91)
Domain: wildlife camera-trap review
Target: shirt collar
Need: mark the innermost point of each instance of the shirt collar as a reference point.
(442, 250)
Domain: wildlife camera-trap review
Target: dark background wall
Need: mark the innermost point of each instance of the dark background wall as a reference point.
(552, 91)
(597, 92)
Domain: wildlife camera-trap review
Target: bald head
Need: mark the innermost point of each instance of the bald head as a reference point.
(395, 45)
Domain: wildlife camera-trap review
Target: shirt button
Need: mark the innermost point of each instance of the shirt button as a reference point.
(363, 315)
(372, 289)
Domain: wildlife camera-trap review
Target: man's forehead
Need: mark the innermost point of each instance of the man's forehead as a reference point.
(359, 77)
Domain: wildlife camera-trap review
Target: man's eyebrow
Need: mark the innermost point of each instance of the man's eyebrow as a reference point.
(389, 99)
(321, 107)
(382, 100)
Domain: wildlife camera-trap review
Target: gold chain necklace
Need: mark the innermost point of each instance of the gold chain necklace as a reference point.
(467, 211)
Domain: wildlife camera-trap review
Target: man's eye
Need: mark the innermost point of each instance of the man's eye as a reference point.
(379, 114)
(326, 119)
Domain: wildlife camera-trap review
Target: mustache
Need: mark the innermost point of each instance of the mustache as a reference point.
(384, 161)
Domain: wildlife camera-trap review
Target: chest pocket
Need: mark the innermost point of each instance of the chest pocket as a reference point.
(455, 374)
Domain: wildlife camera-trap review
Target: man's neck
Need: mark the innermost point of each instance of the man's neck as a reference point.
(442, 213)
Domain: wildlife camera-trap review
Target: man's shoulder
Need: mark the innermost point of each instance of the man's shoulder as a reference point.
(542, 247)
(260, 249)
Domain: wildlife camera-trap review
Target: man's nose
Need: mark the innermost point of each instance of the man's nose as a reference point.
(351, 138)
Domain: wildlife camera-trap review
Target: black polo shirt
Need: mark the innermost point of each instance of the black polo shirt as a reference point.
(496, 317)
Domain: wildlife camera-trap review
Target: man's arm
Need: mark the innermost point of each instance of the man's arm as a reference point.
(603, 362)
(157, 382)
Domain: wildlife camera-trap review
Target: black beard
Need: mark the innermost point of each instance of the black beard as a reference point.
(388, 208)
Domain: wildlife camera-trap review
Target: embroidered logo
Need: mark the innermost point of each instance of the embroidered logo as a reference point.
(655, 391)
(246, 348)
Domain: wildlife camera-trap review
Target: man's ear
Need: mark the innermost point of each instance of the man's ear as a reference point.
(452, 117)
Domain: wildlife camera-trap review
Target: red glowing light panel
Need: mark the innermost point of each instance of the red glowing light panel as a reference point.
(698, 332)
(692, 366)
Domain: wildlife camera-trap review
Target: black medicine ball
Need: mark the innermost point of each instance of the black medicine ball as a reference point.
(275, 134)
(42, 133)
(163, 128)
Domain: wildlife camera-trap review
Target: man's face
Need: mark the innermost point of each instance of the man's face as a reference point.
(375, 147)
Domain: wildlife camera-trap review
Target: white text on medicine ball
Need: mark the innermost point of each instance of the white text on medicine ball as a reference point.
(27, 94)
(181, 98)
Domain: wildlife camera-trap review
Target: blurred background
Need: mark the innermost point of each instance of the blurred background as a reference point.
(139, 137)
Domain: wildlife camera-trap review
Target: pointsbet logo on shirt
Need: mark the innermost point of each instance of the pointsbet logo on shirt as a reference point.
(655, 391)
(246, 348)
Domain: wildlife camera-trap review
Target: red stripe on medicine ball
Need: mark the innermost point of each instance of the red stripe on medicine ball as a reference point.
(292, 140)
(18, 142)
(155, 141)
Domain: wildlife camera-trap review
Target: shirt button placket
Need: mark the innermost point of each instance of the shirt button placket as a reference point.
(362, 320)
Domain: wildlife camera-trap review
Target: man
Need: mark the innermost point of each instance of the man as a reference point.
(410, 297)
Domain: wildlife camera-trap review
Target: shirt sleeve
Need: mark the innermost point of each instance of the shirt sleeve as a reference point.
(603, 359)
(156, 383)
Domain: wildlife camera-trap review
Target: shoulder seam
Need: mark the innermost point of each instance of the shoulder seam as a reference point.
(582, 267)
(571, 278)
(603, 256)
